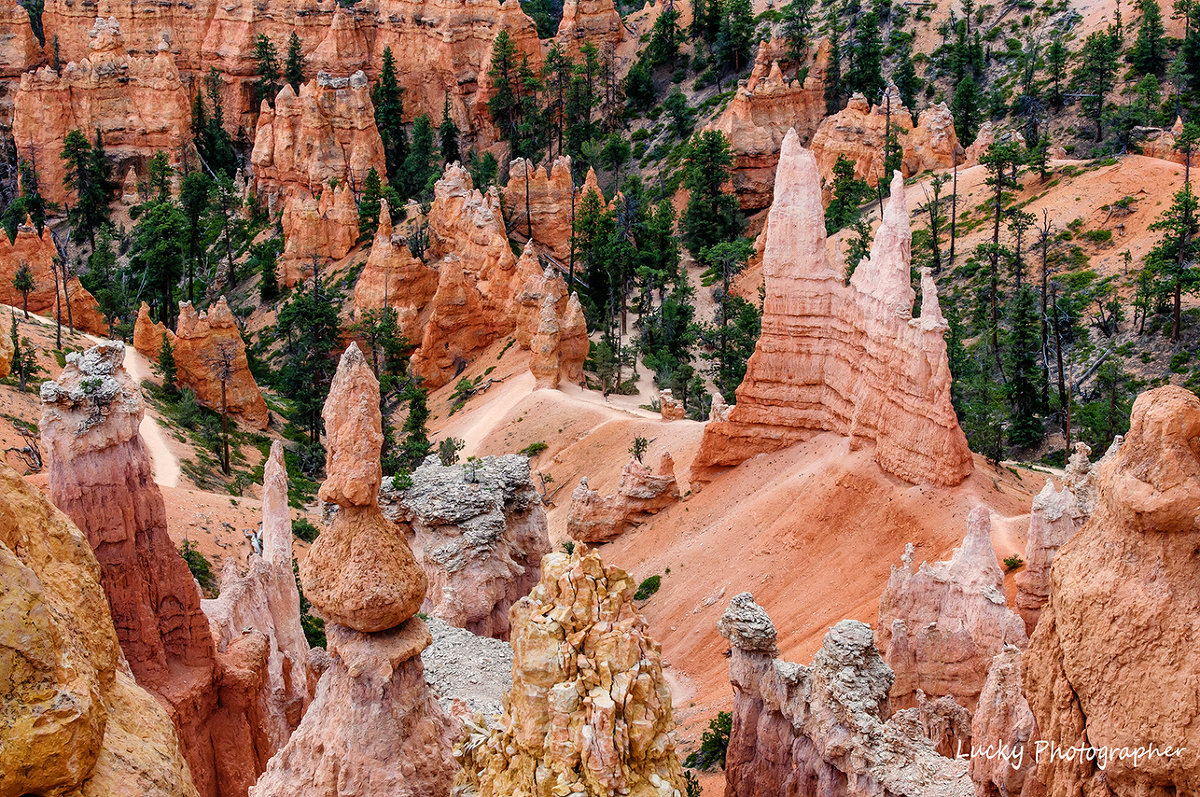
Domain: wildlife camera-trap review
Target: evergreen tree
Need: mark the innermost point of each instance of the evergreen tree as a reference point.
(712, 216)
(1148, 55)
(833, 72)
(639, 85)
(986, 415)
(224, 230)
(848, 192)
(101, 280)
(483, 170)
(213, 142)
(389, 117)
(23, 282)
(1172, 259)
(866, 63)
(264, 258)
(965, 107)
(448, 135)
(416, 445)
(1105, 417)
(680, 113)
(158, 176)
(156, 254)
(796, 29)
(293, 70)
(905, 77)
(167, 367)
(729, 341)
(30, 203)
(86, 175)
(193, 199)
(1095, 75)
(368, 205)
(419, 169)
(1024, 375)
(266, 70)
(665, 37)
(504, 105)
(1056, 69)
(739, 24)
(308, 329)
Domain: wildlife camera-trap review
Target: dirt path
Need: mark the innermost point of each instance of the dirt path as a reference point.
(164, 462)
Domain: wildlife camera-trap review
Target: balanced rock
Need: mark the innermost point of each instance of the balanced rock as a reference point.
(1113, 651)
(75, 722)
(849, 359)
(942, 625)
(641, 493)
(100, 476)
(590, 711)
(210, 358)
(820, 729)
(670, 408)
(479, 532)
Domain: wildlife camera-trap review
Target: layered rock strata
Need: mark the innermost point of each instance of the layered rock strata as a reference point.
(1110, 664)
(590, 711)
(138, 104)
(265, 600)
(373, 727)
(393, 278)
(479, 531)
(640, 494)
(849, 359)
(941, 625)
(75, 722)
(595, 21)
(820, 729)
(210, 358)
(100, 476)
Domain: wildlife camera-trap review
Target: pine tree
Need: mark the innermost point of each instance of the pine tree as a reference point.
(1096, 74)
(416, 445)
(1056, 69)
(1172, 258)
(797, 27)
(833, 72)
(866, 63)
(848, 193)
(293, 70)
(389, 117)
(368, 205)
(30, 203)
(158, 176)
(448, 135)
(83, 174)
(266, 70)
(737, 31)
(1024, 385)
(167, 367)
(1148, 55)
(905, 77)
(665, 38)
(310, 335)
(156, 254)
(504, 105)
(23, 282)
(965, 107)
(712, 216)
(419, 171)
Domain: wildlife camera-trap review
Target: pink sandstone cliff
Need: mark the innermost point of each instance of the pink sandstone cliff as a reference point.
(941, 625)
(75, 722)
(373, 727)
(641, 493)
(589, 712)
(1111, 662)
(821, 729)
(850, 359)
(100, 476)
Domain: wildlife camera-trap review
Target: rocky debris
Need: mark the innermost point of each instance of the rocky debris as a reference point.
(374, 726)
(210, 359)
(138, 104)
(265, 600)
(100, 476)
(941, 626)
(469, 674)
(941, 721)
(641, 493)
(1111, 662)
(819, 728)
(545, 201)
(669, 409)
(858, 133)
(719, 411)
(595, 21)
(75, 722)
(392, 277)
(47, 297)
(762, 111)
(479, 531)
(590, 711)
(844, 358)
(1004, 732)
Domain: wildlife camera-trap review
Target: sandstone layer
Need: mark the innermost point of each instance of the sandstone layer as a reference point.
(265, 600)
(138, 104)
(850, 359)
(48, 297)
(75, 722)
(595, 21)
(641, 493)
(544, 202)
(100, 476)
(374, 727)
(940, 626)
(1110, 663)
(479, 531)
(820, 729)
(589, 712)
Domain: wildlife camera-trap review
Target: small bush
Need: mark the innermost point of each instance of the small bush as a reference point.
(200, 567)
(568, 547)
(1179, 361)
(306, 530)
(533, 449)
(647, 588)
(1011, 563)
(713, 744)
(448, 450)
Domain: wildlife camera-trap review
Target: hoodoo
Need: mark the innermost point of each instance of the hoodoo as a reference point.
(850, 359)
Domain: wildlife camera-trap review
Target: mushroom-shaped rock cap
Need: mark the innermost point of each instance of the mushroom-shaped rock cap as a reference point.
(355, 433)
(746, 625)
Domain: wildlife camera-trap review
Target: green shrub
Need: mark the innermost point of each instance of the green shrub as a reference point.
(713, 744)
(304, 529)
(1011, 563)
(533, 449)
(200, 567)
(1179, 361)
(647, 588)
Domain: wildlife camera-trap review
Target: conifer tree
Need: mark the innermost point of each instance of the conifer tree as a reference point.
(266, 70)
(965, 107)
(866, 63)
(1095, 75)
(369, 206)
(1024, 388)
(419, 171)
(293, 70)
(712, 216)
(448, 135)
(1148, 55)
(389, 116)
(1056, 70)
(166, 365)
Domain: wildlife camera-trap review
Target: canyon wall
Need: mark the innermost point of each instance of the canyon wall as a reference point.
(75, 722)
(850, 359)
(820, 729)
(100, 476)
(374, 727)
(1111, 658)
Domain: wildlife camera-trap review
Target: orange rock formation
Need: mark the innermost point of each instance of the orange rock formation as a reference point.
(100, 476)
(1112, 654)
(596, 21)
(544, 199)
(47, 297)
(845, 358)
(138, 104)
(392, 277)
(641, 493)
